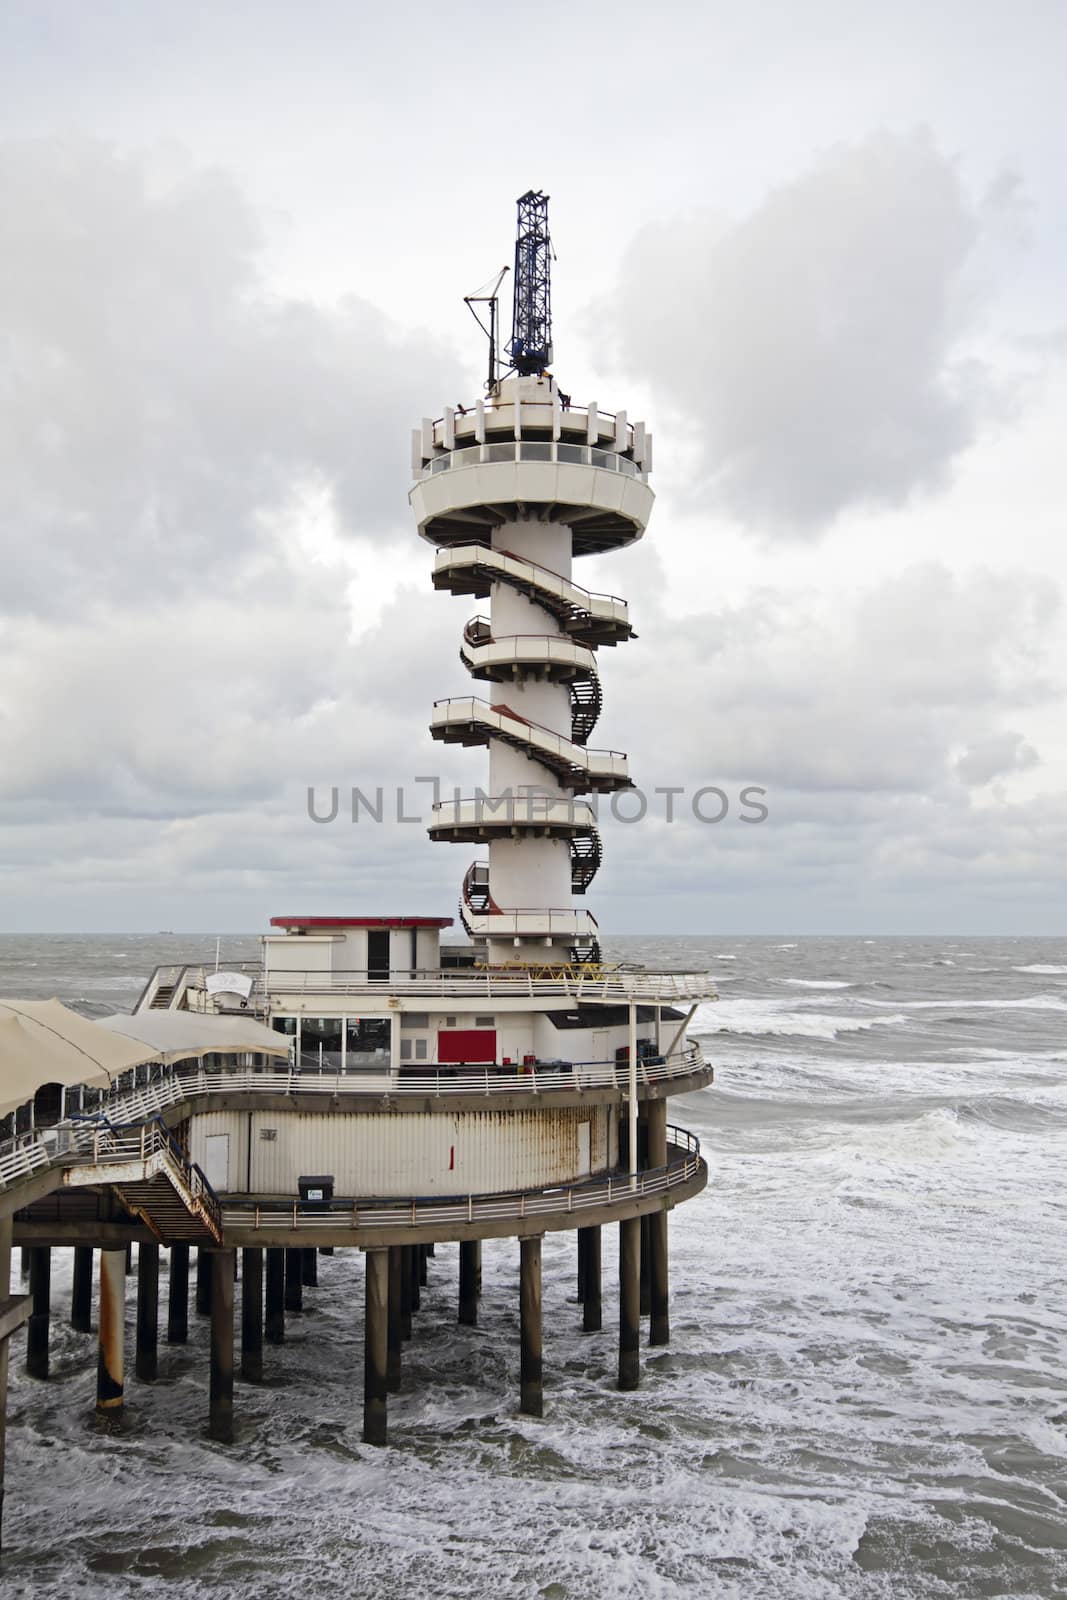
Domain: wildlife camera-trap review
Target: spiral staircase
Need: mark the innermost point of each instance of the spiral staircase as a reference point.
(496, 493)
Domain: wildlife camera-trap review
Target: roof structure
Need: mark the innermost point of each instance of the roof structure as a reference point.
(182, 1035)
(361, 922)
(43, 1041)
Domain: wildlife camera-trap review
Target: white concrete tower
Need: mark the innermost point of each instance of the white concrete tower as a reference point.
(511, 489)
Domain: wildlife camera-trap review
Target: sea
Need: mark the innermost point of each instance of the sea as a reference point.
(865, 1393)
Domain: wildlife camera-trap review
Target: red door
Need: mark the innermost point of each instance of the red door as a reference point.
(466, 1044)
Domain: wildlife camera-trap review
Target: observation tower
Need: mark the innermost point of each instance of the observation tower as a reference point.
(511, 489)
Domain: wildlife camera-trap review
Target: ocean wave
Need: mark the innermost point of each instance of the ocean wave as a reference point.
(1030, 1002)
(764, 1017)
(819, 983)
(1045, 968)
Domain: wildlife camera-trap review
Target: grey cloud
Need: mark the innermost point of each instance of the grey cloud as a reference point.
(816, 350)
(156, 398)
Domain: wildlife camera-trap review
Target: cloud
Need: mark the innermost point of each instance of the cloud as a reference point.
(817, 350)
(157, 398)
(880, 691)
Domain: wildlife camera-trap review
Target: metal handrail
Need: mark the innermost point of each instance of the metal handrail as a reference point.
(538, 727)
(447, 557)
(490, 1080)
(684, 1165)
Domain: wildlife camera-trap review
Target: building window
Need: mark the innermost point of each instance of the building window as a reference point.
(485, 1022)
(420, 1050)
(414, 1019)
(405, 1049)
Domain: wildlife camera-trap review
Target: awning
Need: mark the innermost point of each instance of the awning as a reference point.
(42, 1041)
(181, 1035)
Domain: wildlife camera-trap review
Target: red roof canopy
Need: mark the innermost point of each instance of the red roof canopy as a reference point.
(361, 922)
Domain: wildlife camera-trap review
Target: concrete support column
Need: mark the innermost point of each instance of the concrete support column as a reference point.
(416, 1281)
(146, 1348)
(658, 1259)
(252, 1316)
(81, 1296)
(294, 1280)
(310, 1268)
(646, 1284)
(470, 1273)
(111, 1360)
(581, 1264)
(38, 1326)
(275, 1325)
(530, 1330)
(630, 1303)
(592, 1312)
(376, 1348)
(203, 1283)
(396, 1335)
(178, 1295)
(422, 1251)
(220, 1414)
(405, 1292)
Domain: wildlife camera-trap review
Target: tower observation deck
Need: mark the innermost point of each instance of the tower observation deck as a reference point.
(511, 489)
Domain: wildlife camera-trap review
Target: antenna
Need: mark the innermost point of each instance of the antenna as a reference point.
(488, 294)
(531, 329)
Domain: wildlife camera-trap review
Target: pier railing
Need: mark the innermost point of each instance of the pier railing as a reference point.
(684, 1163)
(541, 1078)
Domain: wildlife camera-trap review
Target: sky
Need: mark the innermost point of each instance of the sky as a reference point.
(819, 247)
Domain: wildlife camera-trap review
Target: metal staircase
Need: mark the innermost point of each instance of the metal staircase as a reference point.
(588, 618)
(586, 855)
(152, 1176)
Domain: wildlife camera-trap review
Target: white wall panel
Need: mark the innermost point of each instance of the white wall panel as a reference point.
(406, 1153)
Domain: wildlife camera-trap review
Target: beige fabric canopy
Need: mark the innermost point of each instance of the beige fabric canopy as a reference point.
(180, 1035)
(43, 1041)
